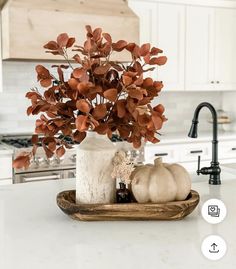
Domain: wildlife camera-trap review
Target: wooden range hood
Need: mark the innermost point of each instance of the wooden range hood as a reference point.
(29, 24)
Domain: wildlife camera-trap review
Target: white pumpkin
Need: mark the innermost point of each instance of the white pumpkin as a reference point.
(160, 183)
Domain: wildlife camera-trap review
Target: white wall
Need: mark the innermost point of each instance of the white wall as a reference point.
(19, 77)
(229, 105)
(180, 107)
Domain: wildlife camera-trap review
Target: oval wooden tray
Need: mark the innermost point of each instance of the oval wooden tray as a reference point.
(133, 211)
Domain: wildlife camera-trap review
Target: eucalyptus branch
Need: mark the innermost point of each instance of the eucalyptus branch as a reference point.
(65, 55)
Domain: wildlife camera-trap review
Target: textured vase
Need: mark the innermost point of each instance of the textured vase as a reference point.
(94, 184)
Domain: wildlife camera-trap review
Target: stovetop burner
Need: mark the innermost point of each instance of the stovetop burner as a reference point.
(18, 142)
(23, 142)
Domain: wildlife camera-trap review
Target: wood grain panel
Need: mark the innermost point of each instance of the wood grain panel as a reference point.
(28, 25)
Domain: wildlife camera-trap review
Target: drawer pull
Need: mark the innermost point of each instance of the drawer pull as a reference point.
(196, 151)
(161, 154)
(233, 149)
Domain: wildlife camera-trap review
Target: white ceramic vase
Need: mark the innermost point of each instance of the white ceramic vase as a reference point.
(94, 184)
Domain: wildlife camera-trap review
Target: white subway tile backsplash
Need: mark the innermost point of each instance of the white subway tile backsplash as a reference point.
(19, 77)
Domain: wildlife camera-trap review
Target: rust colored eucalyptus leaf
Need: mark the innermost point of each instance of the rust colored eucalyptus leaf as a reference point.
(48, 152)
(116, 66)
(44, 76)
(157, 120)
(77, 58)
(81, 123)
(51, 45)
(147, 58)
(60, 151)
(102, 128)
(158, 60)
(46, 82)
(97, 34)
(144, 119)
(121, 108)
(52, 146)
(29, 110)
(102, 70)
(62, 39)
(83, 105)
(145, 101)
(136, 93)
(42, 71)
(22, 161)
(139, 80)
(89, 29)
(99, 111)
(158, 85)
(79, 136)
(138, 67)
(148, 82)
(35, 139)
(107, 37)
(111, 94)
(88, 45)
(137, 143)
(155, 51)
(130, 47)
(73, 83)
(66, 130)
(119, 45)
(136, 52)
(145, 48)
(124, 131)
(127, 80)
(70, 42)
(130, 74)
(78, 72)
(159, 108)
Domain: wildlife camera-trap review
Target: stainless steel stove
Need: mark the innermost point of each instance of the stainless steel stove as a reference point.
(43, 168)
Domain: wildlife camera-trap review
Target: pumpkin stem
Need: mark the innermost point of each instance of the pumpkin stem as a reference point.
(158, 161)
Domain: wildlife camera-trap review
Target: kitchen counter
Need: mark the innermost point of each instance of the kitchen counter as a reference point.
(35, 233)
(5, 150)
(171, 138)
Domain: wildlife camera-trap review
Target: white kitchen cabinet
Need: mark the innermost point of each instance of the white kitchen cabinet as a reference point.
(171, 38)
(163, 25)
(225, 48)
(199, 48)
(169, 153)
(187, 153)
(228, 149)
(190, 152)
(210, 49)
(147, 13)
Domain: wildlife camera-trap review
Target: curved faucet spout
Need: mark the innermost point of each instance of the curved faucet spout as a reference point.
(214, 170)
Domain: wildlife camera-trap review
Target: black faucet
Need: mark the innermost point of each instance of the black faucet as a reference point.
(214, 170)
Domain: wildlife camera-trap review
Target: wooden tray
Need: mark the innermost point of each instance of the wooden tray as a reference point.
(133, 211)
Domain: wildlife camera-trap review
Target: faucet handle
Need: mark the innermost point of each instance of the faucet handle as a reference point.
(198, 165)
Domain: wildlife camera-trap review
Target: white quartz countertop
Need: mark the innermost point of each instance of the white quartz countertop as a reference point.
(181, 137)
(35, 233)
